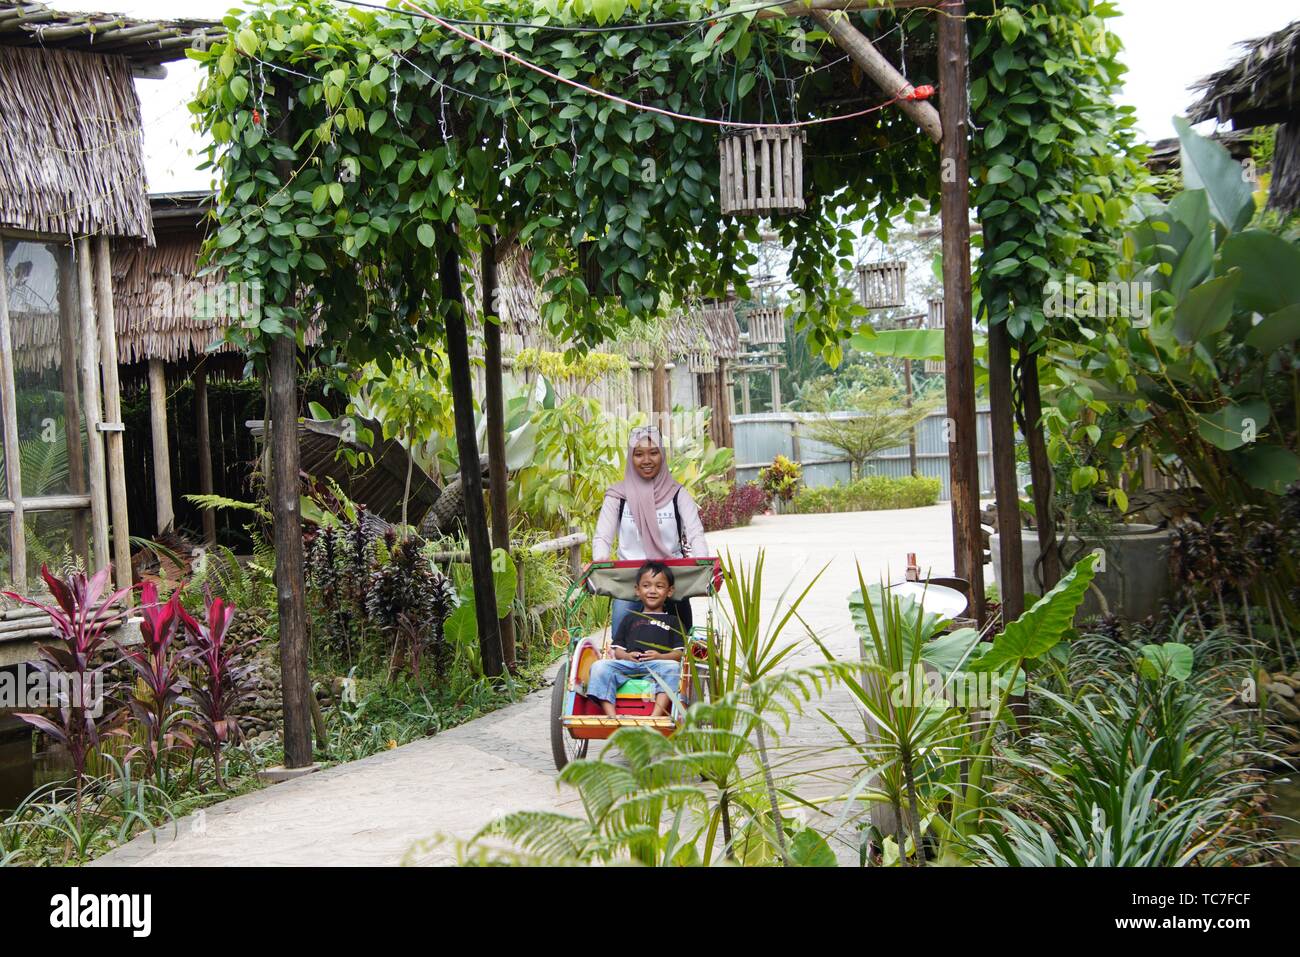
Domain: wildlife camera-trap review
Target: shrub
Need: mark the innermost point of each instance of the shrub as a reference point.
(781, 479)
(735, 509)
(868, 494)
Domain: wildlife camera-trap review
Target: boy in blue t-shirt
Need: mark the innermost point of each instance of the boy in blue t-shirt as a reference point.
(648, 643)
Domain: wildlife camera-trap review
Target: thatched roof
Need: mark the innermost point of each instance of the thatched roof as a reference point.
(71, 150)
(144, 42)
(1166, 154)
(1261, 89)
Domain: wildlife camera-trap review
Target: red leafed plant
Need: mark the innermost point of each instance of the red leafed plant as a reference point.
(81, 617)
(220, 685)
(157, 661)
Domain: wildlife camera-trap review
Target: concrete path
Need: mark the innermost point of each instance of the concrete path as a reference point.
(372, 811)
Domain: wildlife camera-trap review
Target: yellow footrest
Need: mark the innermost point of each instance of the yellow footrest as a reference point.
(622, 721)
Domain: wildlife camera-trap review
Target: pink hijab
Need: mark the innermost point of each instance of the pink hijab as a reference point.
(646, 496)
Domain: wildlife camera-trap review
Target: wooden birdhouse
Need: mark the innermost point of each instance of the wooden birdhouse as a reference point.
(762, 171)
(882, 285)
(766, 326)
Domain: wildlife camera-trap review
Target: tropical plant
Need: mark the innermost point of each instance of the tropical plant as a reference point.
(781, 479)
(157, 663)
(924, 754)
(410, 600)
(735, 509)
(81, 617)
(221, 688)
(880, 418)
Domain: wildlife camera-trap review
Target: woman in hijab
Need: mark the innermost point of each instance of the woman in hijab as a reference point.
(651, 516)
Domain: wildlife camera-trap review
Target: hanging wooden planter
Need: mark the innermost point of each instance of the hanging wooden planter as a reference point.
(762, 171)
(766, 326)
(701, 363)
(882, 285)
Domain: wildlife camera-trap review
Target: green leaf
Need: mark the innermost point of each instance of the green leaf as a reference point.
(426, 235)
(238, 87)
(1206, 309)
(903, 343)
(377, 120)
(1270, 270)
(1207, 165)
(228, 237)
(1276, 331)
(809, 849)
(1233, 426)
(505, 578)
(1036, 631)
(1171, 659)
(1270, 468)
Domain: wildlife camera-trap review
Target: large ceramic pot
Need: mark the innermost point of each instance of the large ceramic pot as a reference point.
(1133, 577)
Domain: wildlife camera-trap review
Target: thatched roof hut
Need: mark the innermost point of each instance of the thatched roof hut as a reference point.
(1262, 89)
(72, 183)
(70, 131)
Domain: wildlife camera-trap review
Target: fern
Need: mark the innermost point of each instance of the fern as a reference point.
(205, 501)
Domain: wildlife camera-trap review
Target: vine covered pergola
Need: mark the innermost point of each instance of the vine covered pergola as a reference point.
(363, 154)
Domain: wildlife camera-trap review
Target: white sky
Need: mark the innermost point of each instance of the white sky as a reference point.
(1168, 45)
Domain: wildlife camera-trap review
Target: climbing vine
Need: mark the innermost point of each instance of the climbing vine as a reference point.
(353, 147)
(1053, 157)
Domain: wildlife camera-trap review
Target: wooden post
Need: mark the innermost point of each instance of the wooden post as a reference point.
(283, 483)
(72, 425)
(284, 489)
(959, 336)
(494, 403)
(205, 451)
(659, 395)
(1003, 429)
(113, 427)
(911, 433)
(13, 465)
(745, 404)
(162, 461)
(92, 409)
(881, 71)
(796, 446)
(471, 477)
(776, 384)
(1040, 470)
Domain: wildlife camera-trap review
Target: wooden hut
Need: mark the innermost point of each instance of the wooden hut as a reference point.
(1262, 89)
(72, 184)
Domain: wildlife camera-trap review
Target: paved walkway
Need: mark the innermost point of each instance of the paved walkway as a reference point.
(371, 811)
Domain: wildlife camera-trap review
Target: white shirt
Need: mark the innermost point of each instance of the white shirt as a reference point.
(630, 546)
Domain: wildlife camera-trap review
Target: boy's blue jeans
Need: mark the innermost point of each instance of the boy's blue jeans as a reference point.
(608, 673)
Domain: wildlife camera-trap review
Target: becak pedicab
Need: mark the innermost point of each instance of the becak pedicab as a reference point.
(576, 718)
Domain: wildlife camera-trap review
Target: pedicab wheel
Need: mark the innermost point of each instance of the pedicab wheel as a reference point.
(564, 748)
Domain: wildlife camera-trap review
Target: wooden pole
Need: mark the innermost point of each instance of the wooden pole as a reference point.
(1003, 429)
(72, 425)
(90, 370)
(205, 451)
(1040, 471)
(911, 433)
(745, 403)
(959, 336)
(496, 428)
(162, 461)
(471, 477)
(13, 465)
(283, 483)
(283, 487)
(659, 395)
(873, 63)
(113, 427)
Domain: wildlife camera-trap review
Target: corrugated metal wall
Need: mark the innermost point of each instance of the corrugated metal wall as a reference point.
(762, 436)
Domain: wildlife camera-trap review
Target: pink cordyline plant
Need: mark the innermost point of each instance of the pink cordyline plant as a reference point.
(81, 617)
(157, 662)
(221, 684)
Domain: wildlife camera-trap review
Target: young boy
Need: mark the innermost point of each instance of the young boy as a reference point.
(648, 642)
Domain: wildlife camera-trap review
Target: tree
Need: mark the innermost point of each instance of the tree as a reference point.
(879, 418)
